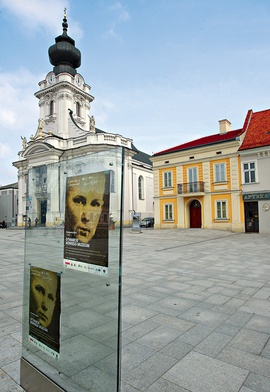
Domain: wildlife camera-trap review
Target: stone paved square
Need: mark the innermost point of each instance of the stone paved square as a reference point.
(196, 313)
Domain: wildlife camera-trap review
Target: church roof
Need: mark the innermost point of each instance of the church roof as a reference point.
(139, 156)
(63, 54)
(9, 186)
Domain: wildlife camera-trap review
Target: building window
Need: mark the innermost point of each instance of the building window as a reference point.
(249, 172)
(140, 188)
(221, 210)
(78, 109)
(220, 172)
(192, 179)
(167, 179)
(51, 108)
(168, 212)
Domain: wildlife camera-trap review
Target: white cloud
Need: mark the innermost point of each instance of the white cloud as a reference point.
(4, 150)
(34, 14)
(120, 15)
(121, 11)
(18, 105)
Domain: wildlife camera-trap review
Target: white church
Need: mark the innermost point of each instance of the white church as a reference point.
(66, 130)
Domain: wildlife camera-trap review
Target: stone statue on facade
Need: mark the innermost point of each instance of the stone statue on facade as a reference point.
(92, 124)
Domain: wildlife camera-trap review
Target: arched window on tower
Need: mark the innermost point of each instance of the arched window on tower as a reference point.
(140, 188)
(51, 107)
(78, 109)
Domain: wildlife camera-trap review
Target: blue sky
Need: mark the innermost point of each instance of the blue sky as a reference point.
(163, 72)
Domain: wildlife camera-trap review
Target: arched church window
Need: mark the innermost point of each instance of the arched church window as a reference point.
(51, 108)
(140, 188)
(78, 109)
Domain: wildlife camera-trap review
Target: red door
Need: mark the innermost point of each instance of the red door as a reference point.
(195, 215)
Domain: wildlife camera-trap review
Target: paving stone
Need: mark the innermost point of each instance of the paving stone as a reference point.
(133, 355)
(127, 388)
(248, 340)
(203, 316)
(162, 385)
(10, 350)
(149, 371)
(173, 322)
(245, 389)
(7, 384)
(228, 329)
(260, 307)
(195, 335)
(96, 380)
(258, 383)
(200, 373)
(246, 360)
(218, 299)
(13, 370)
(239, 318)
(159, 337)
(213, 344)
(137, 331)
(266, 350)
(177, 349)
(134, 314)
(259, 323)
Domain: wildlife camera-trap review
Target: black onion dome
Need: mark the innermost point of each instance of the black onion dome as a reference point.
(63, 54)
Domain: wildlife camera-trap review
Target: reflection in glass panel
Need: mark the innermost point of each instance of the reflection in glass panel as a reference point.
(78, 299)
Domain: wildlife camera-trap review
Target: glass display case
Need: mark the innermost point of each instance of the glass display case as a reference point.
(72, 274)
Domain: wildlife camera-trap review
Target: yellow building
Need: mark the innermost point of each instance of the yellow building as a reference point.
(198, 184)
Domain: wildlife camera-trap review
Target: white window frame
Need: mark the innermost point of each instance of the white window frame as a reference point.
(219, 173)
(168, 212)
(221, 210)
(167, 179)
(141, 187)
(248, 171)
(192, 175)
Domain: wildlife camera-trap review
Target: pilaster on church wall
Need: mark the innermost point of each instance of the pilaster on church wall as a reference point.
(128, 203)
(64, 103)
(22, 178)
(53, 189)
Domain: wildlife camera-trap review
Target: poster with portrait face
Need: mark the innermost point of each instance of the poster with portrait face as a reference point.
(87, 223)
(44, 310)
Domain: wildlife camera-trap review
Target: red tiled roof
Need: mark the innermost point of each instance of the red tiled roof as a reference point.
(258, 130)
(204, 141)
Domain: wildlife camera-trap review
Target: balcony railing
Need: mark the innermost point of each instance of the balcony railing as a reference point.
(191, 187)
(41, 188)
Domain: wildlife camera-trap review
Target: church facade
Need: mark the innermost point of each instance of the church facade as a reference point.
(66, 131)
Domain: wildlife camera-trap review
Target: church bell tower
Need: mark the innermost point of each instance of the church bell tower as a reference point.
(64, 98)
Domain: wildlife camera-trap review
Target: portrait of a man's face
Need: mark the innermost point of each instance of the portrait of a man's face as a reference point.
(43, 295)
(85, 199)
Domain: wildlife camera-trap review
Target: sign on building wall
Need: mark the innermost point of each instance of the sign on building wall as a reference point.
(256, 196)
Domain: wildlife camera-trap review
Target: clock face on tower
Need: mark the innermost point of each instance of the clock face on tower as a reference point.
(51, 78)
(78, 80)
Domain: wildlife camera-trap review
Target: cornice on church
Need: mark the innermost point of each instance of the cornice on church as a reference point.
(60, 85)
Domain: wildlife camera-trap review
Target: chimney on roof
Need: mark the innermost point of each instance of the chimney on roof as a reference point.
(224, 126)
